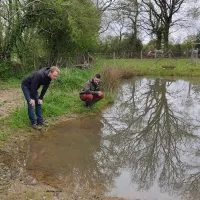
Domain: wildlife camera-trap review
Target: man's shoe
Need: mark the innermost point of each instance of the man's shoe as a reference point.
(43, 123)
(36, 127)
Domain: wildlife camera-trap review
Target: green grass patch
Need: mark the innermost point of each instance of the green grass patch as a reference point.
(19, 118)
(4, 136)
(56, 103)
(10, 83)
(184, 67)
(72, 79)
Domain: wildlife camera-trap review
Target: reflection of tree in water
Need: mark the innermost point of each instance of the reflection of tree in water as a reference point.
(154, 133)
(191, 185)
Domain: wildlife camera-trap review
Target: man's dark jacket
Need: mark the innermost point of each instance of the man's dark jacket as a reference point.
(35, 80)
(90, 87)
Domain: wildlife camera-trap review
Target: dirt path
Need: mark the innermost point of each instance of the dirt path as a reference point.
(10, 99)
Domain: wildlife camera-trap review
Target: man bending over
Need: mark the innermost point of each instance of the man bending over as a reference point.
(30, 85)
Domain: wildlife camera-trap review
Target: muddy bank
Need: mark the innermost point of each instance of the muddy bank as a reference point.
(16, 183)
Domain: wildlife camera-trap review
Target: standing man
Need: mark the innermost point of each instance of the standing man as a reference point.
(30, 85)
(91, 92)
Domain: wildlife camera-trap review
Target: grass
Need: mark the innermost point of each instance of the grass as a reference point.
(62, 97)
(184, 67)
(10, 83)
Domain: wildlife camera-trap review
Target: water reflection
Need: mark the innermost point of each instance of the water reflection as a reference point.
(145, 146)
(154, 126)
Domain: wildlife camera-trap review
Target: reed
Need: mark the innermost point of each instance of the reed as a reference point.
(112, 76)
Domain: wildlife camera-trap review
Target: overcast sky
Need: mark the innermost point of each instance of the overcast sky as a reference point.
(178, 34)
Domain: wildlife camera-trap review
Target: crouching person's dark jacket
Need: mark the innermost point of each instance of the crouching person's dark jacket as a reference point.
(90, 87)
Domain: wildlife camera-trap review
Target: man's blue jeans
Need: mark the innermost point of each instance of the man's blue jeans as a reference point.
(38, 107)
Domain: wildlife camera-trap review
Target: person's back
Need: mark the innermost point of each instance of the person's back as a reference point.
(41, 76)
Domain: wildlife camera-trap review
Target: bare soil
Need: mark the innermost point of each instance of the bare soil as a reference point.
(10, 99)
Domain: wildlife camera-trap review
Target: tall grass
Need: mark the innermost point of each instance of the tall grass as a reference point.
(112, 76)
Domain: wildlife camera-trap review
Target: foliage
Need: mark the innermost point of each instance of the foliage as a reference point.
(127, 47)
(38, 33)
(66, 26)
(10, 69)
(4, 69)
(197, 42)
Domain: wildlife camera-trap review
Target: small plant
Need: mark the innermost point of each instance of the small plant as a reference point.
(4, 136)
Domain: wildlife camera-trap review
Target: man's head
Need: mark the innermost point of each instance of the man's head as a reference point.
(97, 78)
(54, 72)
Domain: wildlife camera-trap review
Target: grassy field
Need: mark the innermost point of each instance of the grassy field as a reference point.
(62, 98)
(184, 67)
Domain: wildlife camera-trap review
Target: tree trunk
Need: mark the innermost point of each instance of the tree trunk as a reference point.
(158, 40)
(166, 38)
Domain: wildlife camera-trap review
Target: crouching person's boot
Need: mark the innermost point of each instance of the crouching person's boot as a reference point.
(88, 105)
(93, 102)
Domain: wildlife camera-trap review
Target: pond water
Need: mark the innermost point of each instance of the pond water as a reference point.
(146, 146)
(154, 128)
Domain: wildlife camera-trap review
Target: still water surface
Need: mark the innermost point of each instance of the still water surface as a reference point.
(145, 146)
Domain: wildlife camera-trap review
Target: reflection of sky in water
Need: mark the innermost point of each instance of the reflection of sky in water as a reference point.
(127, 189)
(177, 105)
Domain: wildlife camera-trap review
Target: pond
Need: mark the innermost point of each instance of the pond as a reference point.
(146, 146)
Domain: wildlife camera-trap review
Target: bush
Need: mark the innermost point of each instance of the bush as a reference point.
(5, 68)
(10, 69)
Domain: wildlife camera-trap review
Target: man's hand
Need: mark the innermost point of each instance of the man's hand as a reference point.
(32, 102)
(100, 93)
(39, 101)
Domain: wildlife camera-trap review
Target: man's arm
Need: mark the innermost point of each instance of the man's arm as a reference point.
(34, 84)
(44, 89)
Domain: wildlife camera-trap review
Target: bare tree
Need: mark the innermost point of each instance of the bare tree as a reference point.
(119, 24)
(194, 9)
(131, 9)
(161, 17)
(152, 24)
(105, 7)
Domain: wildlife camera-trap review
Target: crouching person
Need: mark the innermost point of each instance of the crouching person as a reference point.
(30, 85)
(91, 93)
